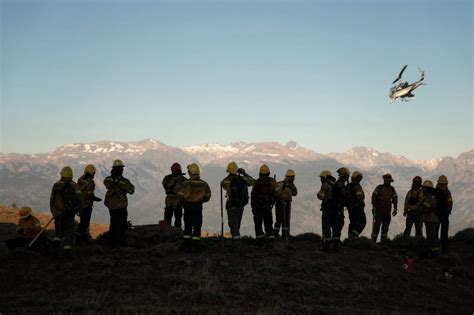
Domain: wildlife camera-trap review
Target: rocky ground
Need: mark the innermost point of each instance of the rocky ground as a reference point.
(152, 275)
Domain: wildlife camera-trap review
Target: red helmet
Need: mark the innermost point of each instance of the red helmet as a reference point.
(417, 179)
(175, 168)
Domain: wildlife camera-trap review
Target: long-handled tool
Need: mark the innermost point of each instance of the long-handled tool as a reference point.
(40, 232)
(222, 218)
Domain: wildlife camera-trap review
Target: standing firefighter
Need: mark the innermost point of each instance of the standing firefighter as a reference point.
(193, 193)
(27, 229)
(340, 195)
(285, 191)
(445, 205)
(171, 184)
(64, 203)
(116, 200)
(382, 199)
(328, 207)
(262, 201)
(411, 210)
(430, 216)
(236, 187)
(86, 186)
(355, 206)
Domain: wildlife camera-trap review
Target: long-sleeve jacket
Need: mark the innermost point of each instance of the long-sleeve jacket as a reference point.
(340, 193)
(285, 190)
(28, 227)
(412, 199)
(87, 186)
(444, 201)
(355, 196)
(117, 189)
(325, 194)
(232, 184)
(383, 197)
(428, 207)
(171, 183)
(263, 193)
(194, 190)
(65, 197)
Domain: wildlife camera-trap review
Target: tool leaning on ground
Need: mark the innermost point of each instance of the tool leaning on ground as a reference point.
(222, 219)
(41, 232)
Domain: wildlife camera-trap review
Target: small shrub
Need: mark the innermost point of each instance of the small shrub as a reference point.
(466, 235)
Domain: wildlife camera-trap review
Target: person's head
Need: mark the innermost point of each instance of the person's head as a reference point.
(232, 168)
(66, 173)
(387, 179)
(89, 170)
(24, 212)
(176, 168)
(343, 173)
(416, 182)
(442, 182)
(193, 170)
(117, 168)
(427, 186)
(290, 175)
(324, 175)
(356, 177)
(264, 171)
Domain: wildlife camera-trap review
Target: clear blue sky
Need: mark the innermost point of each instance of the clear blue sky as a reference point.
(190, 72)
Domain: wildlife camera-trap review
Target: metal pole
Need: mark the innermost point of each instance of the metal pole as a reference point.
(40, 232)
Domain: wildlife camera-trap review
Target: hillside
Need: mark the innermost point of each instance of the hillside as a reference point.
(152, 276)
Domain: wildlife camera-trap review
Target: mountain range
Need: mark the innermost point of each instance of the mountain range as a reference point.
(26, 179)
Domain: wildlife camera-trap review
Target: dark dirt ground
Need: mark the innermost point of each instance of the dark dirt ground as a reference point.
(153, 276)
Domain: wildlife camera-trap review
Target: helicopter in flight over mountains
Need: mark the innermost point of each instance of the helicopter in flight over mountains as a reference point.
(403, 90)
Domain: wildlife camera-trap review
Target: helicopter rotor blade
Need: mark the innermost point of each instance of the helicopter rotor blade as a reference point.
(400, 74)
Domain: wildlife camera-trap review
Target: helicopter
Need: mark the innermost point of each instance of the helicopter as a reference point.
(403, 90)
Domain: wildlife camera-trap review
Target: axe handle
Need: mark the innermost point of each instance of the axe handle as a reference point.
(40, 232)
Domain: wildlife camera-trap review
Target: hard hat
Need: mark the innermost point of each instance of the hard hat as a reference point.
(66, 172)
(325, 174)
(427, 183)
(290, 173)
(176, 168)
(343, 171)
(417, 179)
(193, 169)
(442, 179)
(264, 169)
(356, 174)
(232, 168)
(388, 177)
(25, 212)
(118, 163)
(90, 169)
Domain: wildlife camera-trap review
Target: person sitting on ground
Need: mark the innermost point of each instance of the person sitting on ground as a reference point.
(27, 229)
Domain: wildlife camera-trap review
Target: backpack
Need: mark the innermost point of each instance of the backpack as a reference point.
(265, 193)
(64, 198)
(239, 193)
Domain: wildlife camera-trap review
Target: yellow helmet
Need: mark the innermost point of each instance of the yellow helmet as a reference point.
(325, 174)
(290, 173)
(193, 169)
(232, 168)
(66, 172)
(90, 169)
(118, 163)
(356, 174)
(427, 183)
(388, 177)
(442, 179)
(343, 171)
(25, 212)
(264, 169)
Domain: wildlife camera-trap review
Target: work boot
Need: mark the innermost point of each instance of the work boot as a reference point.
(276, 232)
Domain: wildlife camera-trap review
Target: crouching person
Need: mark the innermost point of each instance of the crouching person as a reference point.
(28, 228)
(193, 193)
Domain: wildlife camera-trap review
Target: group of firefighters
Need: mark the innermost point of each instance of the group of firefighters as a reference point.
(424, 203)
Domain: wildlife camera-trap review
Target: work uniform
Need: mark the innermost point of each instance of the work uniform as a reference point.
(117, 202)
(171, 184)
(193, 192)
(355, 207)
(444, 207)
(413, 215)
(339, 194)
(382, 199)
(330, 217)
(430, 217)
(26, 231)
(285, 191)
(86, 185)
(65, 202)
(236, 188)
(262, 200)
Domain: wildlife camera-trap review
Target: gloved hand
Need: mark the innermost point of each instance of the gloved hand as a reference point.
(394, 213)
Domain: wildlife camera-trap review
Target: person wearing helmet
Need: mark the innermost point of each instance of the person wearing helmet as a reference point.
(171, 184)
(429, 216)
(65, 202)
(86, 186)
(284, 193)
(262, 199)
(117, 202)
(411, 211)
(444, 201)
(383, 197)
(27, 229)
(193, 193)
(236, 187)
(328, 207)
(355, 206)
(340, 195)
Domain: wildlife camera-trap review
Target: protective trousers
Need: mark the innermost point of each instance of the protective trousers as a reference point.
(413, 218)
(118, 227)
(432, 236)
(64, 229)
(357, 221)
(234, 215)
(332, 223)
(283, 217)
(192, 222)
(263, 216)
(444, 224)
(178, 214)
(381, 218)
(83, 228)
